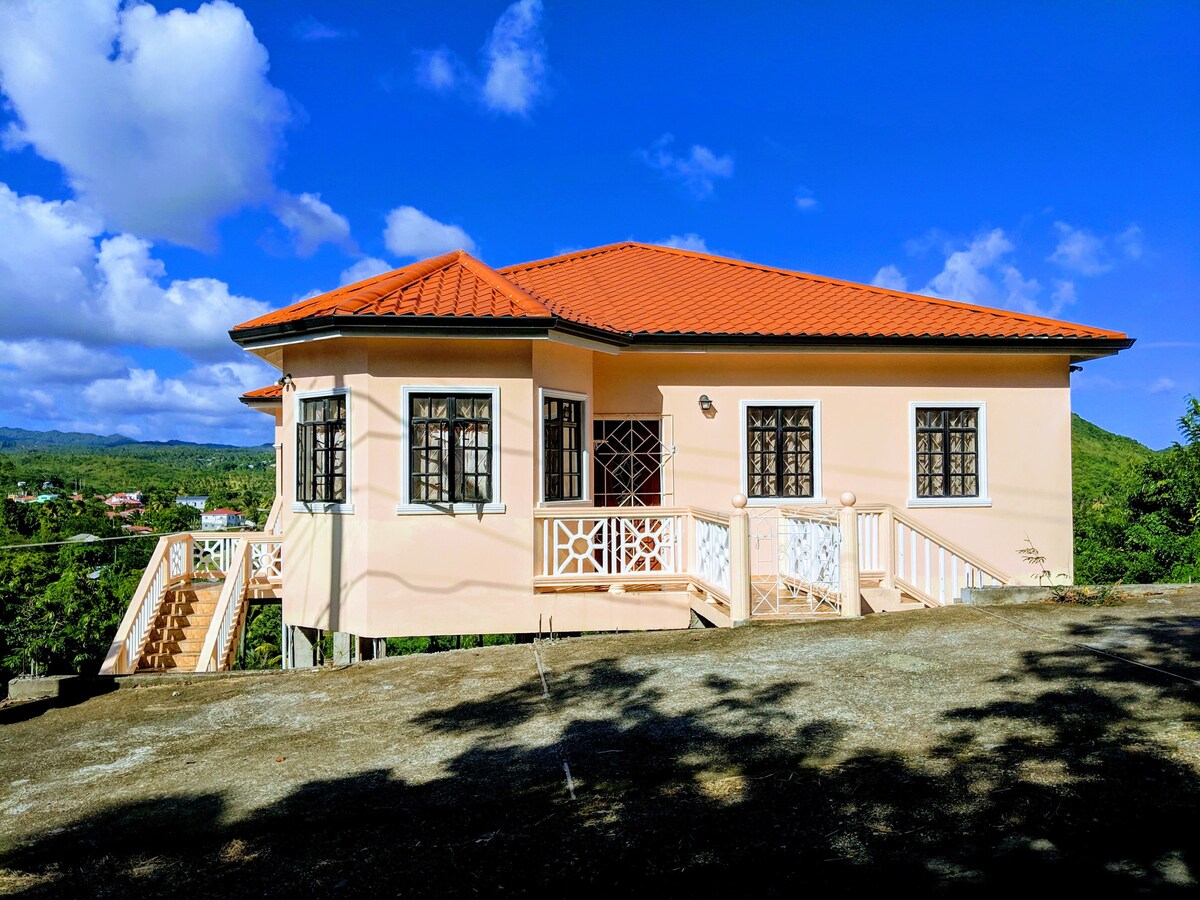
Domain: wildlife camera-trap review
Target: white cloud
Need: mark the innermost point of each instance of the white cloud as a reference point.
(696, 170)
(192, 316)
(805, 200)
(515, 55)
(312, 223)
(1080, 250)
(364, 268)
(980, 273)
(164, 123)
(411, 233)
(440, 69)
(59, 280)
(1162, 386)
(310, 29)
(891, 278)
(56, 361)
(689, 241)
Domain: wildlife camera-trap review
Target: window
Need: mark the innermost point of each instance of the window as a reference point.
(562, 448)
(321, 450)
(947, 443)
(780, 451)
(450, 448)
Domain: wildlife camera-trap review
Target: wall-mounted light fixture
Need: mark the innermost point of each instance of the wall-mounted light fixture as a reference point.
(285, 380)
(706, 405)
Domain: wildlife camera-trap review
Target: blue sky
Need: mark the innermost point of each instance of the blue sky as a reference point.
(168, 172)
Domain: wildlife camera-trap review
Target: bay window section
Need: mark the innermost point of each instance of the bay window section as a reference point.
(321, 475)
(450, 449)
(562, 448)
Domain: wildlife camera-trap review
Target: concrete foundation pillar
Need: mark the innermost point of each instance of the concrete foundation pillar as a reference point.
(343, 652)
(302, 646)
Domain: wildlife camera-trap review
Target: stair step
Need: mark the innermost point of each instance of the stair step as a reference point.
(182, 608)
(187, 645)
(160, 661)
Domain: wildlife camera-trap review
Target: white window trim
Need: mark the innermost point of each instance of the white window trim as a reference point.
(984, 499)
(585, 438)
(818, 497)
(406, 507)
(346, 508)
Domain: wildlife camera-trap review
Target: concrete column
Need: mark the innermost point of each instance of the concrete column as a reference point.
(848, 562)
(739, 561)
(303, 647)
(342, 648)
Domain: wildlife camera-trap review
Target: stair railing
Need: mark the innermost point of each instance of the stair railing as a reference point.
(170, 564)
(214, 652)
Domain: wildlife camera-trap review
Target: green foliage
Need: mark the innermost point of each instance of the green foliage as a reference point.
(264, 629)
(1101, 461)
(403, 646)
(1148, 528)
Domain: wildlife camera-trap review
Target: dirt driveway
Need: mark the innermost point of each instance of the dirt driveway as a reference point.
(942, 751)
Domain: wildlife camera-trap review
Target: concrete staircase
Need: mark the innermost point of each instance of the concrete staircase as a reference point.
(177, 633)
(881, 599)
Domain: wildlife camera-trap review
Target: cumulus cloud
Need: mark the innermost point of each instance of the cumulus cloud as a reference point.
(697, 169)
(365, 268)
(163, 122)
(891, 278)
(312, 222)
(689, 241)
(411, 233)
(982, 273)
(61, 279)
(440, 69)
(56, 361)
(516, 59)
(1083, 251)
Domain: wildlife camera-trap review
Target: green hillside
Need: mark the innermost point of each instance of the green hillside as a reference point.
(1100, 460)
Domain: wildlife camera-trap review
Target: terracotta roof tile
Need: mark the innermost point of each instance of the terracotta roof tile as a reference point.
(270, 392)
(642, 289)
(454, 284)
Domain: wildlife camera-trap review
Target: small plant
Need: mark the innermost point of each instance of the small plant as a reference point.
(1062, 592)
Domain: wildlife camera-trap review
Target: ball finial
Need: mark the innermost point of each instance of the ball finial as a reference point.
(739, 501)
(848, 498)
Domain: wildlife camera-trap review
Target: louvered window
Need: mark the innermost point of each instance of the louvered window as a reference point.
(779, 451)
(451, 448)
(321, 450)
(947, 446)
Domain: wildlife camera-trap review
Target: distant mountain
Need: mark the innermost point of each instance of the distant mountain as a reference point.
(24, 439)
(1100, 459)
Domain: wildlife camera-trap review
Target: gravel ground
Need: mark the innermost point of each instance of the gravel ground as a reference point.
(948, 750)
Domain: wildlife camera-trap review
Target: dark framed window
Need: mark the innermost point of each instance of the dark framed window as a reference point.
(779, 451)
(321, 450)
(562, 448)
(450, 452)
(947, 447)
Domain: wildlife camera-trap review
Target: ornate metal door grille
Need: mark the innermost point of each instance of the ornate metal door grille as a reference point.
(794, 562)
(632, 461)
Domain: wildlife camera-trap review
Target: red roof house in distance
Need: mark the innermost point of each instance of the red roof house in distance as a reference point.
(627, 436)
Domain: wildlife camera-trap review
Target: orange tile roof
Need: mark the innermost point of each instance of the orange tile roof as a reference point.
(646, 289)
(631, 289)
(454, 284)
(270, 392)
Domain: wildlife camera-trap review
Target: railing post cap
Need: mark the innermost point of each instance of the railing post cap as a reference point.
(739, 501)
(848, 498)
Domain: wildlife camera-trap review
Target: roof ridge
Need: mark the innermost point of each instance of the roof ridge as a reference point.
(563, 257)
(824, 279)
(513, 292)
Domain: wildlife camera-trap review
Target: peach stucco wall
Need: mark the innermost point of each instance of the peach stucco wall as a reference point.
(375, 572)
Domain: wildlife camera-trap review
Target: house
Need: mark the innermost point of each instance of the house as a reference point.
(216, 519)
(467, 449)
(194, 502)
(629, 438)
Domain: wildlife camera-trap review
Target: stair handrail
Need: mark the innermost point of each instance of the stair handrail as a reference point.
(957, 549)
(228, 610)
(167, 567)
(274, 524)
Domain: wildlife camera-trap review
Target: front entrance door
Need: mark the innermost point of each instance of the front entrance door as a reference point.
(629, 457)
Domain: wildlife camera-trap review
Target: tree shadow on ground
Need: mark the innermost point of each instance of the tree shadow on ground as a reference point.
(1059, 785)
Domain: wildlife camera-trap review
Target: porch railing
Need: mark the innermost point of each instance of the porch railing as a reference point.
(780, 561)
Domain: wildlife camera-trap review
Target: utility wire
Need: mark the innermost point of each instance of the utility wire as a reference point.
(95, 540)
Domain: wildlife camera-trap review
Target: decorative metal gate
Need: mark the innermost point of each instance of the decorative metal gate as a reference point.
(795, 558)
(632, 460)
